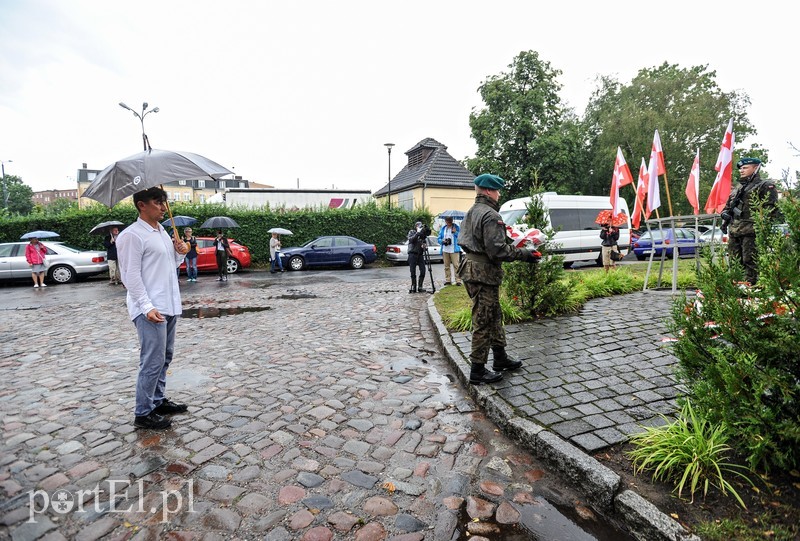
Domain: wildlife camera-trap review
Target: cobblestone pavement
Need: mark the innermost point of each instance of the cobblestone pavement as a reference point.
(596, 377)
(320, 409)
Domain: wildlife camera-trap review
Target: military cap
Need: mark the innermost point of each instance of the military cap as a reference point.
(747, 161)
(492, 182)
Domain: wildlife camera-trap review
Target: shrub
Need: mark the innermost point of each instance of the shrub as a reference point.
(689, 450)
(739, 346)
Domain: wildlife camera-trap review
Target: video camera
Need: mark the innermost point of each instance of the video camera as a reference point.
(424, 230)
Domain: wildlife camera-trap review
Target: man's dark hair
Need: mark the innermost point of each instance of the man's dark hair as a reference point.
(152, 194)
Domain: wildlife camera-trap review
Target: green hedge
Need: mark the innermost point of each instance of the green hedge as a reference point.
(370, 223)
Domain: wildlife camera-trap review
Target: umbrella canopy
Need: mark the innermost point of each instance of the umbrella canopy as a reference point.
(39, 235)
(280, 231)
(455, 214)
(147, 169)
(105, 227)
(219, 222)
(604, 217)
(180, 221)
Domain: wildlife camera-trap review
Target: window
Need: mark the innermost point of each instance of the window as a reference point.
(324, 242)
(344, 242)
(90, 175)
(201, 183)
(182, 182)
(202, 198)
(6, 249)
(405, 200)
(242, 185)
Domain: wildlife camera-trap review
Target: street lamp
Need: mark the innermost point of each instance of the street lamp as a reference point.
(389, 148)
(145, 141)
(5, 193)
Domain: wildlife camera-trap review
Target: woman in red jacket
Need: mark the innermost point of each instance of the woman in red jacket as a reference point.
(34, 255)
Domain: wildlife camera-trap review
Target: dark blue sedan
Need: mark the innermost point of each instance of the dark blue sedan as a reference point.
(330, 251)
(657, 240)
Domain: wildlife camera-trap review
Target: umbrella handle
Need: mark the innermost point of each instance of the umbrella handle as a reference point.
(172, 220)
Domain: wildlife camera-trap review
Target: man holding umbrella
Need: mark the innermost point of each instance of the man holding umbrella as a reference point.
(148, 257)
(110, 242)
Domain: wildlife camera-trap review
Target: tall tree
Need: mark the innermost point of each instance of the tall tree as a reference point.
(20, 196)
(689, 110)
(524, 132)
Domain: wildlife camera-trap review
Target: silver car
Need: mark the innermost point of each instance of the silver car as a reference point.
(398, 253)
(65, 263)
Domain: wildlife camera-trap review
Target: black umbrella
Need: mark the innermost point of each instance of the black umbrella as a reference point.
(103, 228)
(180, 221)
(219, 222)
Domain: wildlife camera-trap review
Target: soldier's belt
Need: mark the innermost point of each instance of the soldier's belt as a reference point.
(478, 257)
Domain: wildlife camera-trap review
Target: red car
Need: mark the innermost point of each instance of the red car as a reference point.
(207, 260)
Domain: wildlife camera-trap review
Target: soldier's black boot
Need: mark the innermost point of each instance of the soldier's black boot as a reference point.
(413, 285)
(479, 374)
(502, 361)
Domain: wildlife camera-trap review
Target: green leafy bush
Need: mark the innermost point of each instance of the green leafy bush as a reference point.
(690, 451)
(739, 346)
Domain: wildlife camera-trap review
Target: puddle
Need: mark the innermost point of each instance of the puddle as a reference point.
(295, 296)
(211, 311)
(186, 379)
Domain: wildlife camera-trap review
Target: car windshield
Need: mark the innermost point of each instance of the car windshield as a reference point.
(510, 217)
(69, 247)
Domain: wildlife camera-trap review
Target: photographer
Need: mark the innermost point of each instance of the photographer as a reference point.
(451, 252)
(417, 243)
(737, 217)
(610, 236)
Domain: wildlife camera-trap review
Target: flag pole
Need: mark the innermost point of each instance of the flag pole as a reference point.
(669, 199)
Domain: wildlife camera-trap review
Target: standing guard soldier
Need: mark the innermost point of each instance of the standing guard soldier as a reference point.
(737, 216)
(483, 240)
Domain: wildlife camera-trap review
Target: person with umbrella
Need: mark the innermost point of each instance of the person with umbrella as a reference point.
(275, 253)
(110, 242)
(191, 255)
(610, 236)
(148, 257)
(35, 253)
(222, 249)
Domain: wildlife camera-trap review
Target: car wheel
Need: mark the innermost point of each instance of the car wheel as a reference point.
(62, 274)
(357, 261)
(567, 264)
(296, 263)
(640, 257)
(599, 261)
(233, 266)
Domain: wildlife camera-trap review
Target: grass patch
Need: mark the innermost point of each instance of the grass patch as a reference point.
(760, 529)
(455, 307)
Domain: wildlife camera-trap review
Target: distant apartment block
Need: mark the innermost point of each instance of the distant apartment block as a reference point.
(48, 197)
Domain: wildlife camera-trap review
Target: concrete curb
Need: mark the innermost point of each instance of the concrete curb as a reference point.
(600, 484)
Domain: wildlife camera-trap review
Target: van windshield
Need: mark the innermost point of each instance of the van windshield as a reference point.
(511, 217)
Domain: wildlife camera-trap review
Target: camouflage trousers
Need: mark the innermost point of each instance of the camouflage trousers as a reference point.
(487, 321)
(742, 248)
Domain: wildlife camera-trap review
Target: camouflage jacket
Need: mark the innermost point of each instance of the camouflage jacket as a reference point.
(762, 189)
(483, 239)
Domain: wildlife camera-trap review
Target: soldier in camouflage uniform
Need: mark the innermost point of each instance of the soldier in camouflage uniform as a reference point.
(483, 240)
(737, 216)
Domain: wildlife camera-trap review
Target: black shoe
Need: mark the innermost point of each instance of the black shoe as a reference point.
(446, 284)
(151, 421)
(503, 362)
(412, 290)
(421, 290)
(168, 407)
(478, 374)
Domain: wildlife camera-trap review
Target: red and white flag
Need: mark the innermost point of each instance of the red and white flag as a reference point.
(693, 184)
(622, 177)
(641, 193)
(662, 170)
(724, 167)
(653, 193)
(520, 239)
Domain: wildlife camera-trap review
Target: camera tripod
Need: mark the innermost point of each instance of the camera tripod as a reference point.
(426, 257)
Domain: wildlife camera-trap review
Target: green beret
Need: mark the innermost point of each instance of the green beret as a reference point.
(492, 182)
(747, 161)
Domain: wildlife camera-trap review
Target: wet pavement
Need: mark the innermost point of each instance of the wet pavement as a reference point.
(320, 407)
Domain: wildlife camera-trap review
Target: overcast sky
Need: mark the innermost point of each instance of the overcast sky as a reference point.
(311, 90)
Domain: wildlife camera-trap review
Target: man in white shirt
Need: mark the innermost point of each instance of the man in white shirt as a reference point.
(147, 259)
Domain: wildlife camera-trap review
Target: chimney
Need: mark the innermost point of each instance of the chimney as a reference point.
(84, 165)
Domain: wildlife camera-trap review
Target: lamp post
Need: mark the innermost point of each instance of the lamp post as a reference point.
(389, 148)
(5, 192)
(145, 141)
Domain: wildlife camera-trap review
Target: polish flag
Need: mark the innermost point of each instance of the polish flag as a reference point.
(520, 239)
(693, 184)
(641, 193)
(662, 170)
(724, 167)
(653, 194)
(622, 177)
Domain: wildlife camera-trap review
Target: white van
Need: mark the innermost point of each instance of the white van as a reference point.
(572, 217)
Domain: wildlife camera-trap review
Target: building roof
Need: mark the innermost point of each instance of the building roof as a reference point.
(429, 164)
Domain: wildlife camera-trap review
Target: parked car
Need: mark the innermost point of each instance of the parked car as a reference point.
(714, 235)
(207, 259)
(398, 253)
(329, 251)
(65, 263)
(651, 242)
